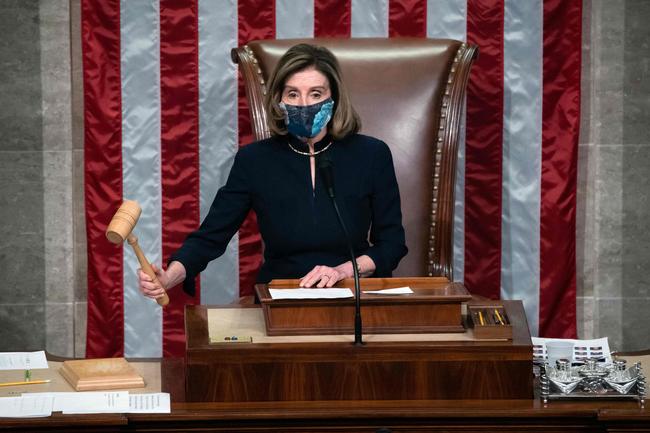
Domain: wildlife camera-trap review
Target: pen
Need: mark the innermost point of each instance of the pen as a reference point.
(25, 382)
(503, 318)
(480, 317)
(496, 312)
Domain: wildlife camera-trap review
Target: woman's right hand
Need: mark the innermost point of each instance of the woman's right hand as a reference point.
(150, 289)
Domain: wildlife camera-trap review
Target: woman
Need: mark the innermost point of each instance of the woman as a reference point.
(310, 116)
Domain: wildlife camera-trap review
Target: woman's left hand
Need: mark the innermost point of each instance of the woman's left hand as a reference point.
(322, 276)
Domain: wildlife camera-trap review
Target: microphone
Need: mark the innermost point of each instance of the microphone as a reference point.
(326, 168)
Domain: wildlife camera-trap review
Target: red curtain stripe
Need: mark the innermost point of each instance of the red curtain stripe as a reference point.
(332, 18)
(256, 20)
(560, 131)
(179, 145)
(483, 161)
(103, 174)
(407, 18)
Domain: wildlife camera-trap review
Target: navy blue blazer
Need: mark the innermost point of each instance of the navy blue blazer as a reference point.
(297, 222)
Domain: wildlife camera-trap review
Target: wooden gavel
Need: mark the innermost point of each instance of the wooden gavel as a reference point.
(120, 229)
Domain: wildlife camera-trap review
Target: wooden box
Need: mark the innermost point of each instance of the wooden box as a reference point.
(433, 307)
(489, 321)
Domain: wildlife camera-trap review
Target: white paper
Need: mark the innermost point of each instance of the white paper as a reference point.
(87, 402)
(22, 360)
(149, 403)
(25, 406)
(331, 293)
(597, 348)
(394, 291)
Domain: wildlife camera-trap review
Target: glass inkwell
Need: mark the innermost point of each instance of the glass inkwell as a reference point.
(621, 378)
(563, 376)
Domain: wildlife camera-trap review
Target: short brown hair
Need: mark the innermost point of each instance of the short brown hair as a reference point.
(345, 119)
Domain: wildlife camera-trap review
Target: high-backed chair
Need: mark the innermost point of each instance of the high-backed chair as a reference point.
(409, 93)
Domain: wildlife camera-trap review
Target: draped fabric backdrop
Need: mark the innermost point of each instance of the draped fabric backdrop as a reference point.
(164, 116)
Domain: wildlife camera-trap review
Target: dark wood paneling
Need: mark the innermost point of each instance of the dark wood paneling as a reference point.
(67, 423)
(434, 306)
(342, 371)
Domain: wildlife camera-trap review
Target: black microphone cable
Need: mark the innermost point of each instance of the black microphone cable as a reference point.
(325, 167)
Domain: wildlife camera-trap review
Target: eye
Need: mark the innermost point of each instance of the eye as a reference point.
(316, 95)
(291, 94)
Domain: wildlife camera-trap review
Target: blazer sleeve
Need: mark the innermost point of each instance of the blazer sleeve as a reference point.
(227, 212)
(386, 232)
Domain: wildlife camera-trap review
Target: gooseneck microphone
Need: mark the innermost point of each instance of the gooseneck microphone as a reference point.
(325, 167)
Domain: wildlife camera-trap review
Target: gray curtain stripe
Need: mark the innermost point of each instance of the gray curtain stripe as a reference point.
(448, 19)
(140, 64)
(522, 135)
(369, 19)
(294, 19)
(218, 140)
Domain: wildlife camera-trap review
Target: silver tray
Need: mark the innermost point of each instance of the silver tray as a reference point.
(595, 382)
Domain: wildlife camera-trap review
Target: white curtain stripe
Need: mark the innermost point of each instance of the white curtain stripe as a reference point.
(218, 139)
(459, 206)
(294, 19)
(447, 19)
(522, 147)
(369, 19)
(140, 69)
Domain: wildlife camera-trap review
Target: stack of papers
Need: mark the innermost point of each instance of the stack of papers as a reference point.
(332, 293)
(393, 291)
(25, 407)
(43, 404)
(22, 360)
(582, 349)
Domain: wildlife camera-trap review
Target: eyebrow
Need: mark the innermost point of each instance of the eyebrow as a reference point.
(311, 88)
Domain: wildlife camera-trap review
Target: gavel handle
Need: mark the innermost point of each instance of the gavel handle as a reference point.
(146, 267)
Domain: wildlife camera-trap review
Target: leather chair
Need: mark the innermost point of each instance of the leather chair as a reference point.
(409, 93)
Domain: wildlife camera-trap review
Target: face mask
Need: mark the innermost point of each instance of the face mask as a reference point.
(307, 120)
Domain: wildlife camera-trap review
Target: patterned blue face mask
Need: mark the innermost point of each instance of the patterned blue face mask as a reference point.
(307, 120)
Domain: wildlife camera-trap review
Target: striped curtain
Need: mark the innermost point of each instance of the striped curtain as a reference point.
(165, 115)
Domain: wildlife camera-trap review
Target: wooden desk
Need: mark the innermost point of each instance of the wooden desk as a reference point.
(525, 415)
(410, 367)
(404, 416)
(420, 416)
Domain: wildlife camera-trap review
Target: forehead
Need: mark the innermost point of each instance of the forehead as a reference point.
(307, 78)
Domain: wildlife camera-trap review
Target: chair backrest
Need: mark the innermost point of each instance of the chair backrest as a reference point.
(409, 93)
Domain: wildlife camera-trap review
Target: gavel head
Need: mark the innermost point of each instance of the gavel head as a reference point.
(123, 221)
